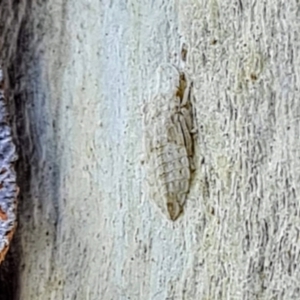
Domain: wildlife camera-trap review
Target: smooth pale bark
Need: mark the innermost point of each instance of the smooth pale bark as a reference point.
(79, 72)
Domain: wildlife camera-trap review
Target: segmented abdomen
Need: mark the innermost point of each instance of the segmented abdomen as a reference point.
(168, 162)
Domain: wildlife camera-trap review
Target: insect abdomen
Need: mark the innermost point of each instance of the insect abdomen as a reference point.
(169, 168)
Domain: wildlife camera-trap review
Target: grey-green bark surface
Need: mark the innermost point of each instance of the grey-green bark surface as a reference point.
(78, 73)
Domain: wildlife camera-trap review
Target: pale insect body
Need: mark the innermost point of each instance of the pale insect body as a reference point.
(169, 146)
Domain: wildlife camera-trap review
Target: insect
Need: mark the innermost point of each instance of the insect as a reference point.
(8, 187)
(168, 124)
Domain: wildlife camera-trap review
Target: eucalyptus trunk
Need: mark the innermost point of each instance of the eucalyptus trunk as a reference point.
(78, 74)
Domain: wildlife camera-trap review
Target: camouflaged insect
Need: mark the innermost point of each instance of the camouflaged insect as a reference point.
(8, 187)
(169, 145)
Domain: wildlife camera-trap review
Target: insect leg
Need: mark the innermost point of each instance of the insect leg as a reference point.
(186, 134)
(179, 136)
(186, 93)
(188, 141)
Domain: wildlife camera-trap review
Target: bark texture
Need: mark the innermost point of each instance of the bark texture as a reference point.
(78, 73)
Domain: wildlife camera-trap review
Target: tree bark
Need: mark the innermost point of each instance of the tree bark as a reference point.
(78, 74)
